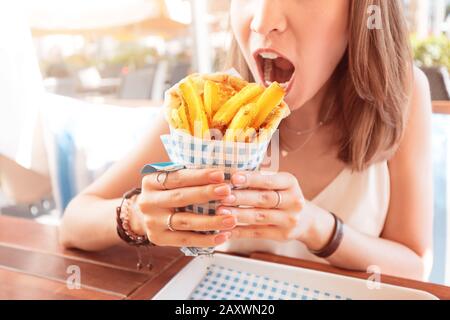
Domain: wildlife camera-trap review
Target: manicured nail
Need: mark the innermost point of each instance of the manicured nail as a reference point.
(239, 179)
(230, 199)
(222, 237)
(228, 222)
(216, 177)
(224, 211)
(222, 190)
(260, 217)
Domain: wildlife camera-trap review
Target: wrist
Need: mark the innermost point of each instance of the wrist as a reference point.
(320, 230)
(136, 217)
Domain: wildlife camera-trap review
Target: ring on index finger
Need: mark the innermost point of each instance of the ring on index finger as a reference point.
(163, 180)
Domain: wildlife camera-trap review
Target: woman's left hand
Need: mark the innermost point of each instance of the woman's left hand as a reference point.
(276, 202)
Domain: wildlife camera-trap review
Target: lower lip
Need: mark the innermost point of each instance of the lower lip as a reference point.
(290, 84)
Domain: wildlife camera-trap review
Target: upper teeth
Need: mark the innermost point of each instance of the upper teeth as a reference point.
(269, 55)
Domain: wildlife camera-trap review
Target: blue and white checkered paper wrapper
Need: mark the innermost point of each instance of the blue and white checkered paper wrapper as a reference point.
(221, 283)
(196, 153)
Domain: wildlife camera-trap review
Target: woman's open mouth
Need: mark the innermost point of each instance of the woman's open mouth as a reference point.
(274, 67)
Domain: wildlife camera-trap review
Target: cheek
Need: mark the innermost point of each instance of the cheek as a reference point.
(320, 51)
(240, 20)
(240, 24)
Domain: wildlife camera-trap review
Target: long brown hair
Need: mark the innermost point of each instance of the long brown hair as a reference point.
(374, 86)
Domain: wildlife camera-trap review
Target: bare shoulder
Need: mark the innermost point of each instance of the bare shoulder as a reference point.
(415, 146)
(421, 88)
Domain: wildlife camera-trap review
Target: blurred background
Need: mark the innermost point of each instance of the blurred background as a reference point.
(125, 50)
(74, 71)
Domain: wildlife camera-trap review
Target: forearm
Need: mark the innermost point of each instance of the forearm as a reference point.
(359, 251)
(89, 223)
(22, 185)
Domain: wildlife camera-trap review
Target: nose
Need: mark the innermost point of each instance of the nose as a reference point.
(268, 17)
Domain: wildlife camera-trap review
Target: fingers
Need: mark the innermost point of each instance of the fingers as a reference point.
(265, 181)
(264, 199)
(260, 232)
(257, 216)
(188, 239)
(182, 197)
(185, 221)
(182, 178)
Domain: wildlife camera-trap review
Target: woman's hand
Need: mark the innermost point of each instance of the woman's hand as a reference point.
(159, 199)
(275, 216)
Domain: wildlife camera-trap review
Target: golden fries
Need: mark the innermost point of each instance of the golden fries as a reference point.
(224, 94)
(241, 121)
(197, 117)
(268, 101)
(183, 118)
(226, 112)
(210, 97)
(242, 111)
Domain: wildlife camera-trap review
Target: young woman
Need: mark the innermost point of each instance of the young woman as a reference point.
(356, 145)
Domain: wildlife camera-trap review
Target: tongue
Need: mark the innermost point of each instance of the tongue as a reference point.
(281, 76)
(282, 70)
(283, 64)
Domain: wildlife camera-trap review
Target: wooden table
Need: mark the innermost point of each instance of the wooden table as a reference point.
(34, 266)
(441, 107)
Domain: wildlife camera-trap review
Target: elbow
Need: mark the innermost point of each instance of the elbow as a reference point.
(65, 231)
(423, 252)
(417, 271)
(420, 267)
(77, 231)
(64, 236)
(425, 265)
(70, 231)
(64, 241)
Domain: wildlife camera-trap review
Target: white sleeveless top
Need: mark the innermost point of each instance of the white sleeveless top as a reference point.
(360, 199)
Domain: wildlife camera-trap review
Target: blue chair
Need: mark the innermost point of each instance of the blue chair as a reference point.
(83, 141)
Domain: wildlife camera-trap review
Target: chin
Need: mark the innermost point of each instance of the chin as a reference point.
(295, 100)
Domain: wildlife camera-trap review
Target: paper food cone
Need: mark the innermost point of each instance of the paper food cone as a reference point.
(196, 153)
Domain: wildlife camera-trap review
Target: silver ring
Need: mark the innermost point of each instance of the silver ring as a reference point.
(279, 199)
(169, 222)
(163, 183)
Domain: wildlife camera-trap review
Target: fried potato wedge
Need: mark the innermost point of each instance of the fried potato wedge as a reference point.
(197, 116)
(226, 113)
(241, 111)
(268, 101)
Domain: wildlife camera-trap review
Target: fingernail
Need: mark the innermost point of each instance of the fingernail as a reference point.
(230, 199)
(228, 222)
(224, 211)
(222, 237)
(239, 179)
(260, 217)
(222, 190)
(216, 176)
